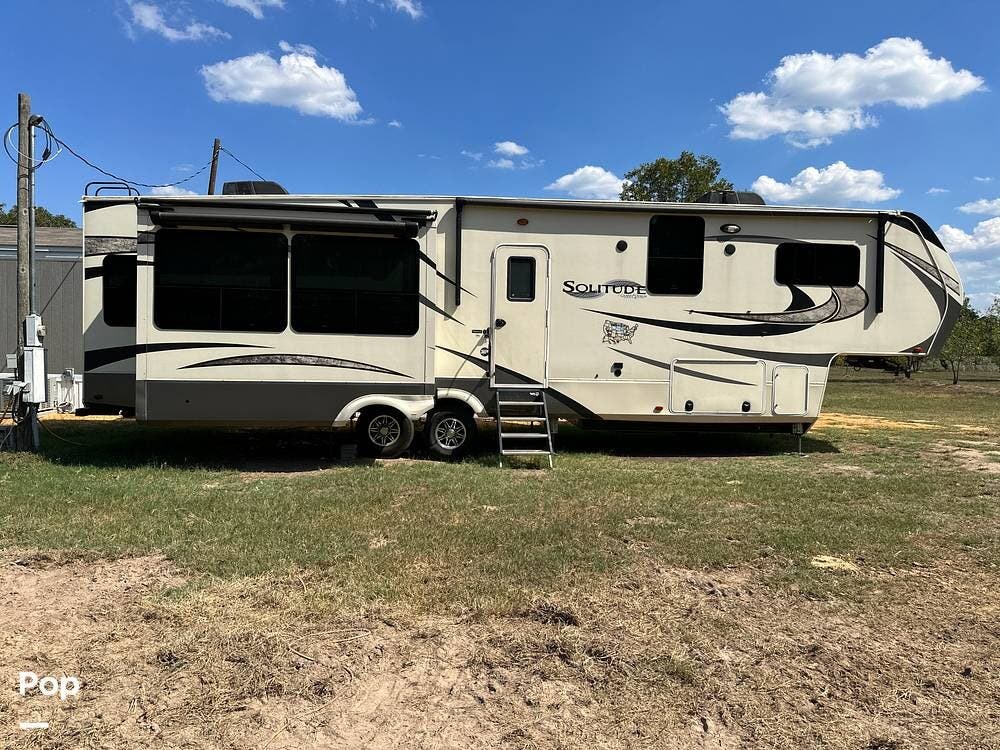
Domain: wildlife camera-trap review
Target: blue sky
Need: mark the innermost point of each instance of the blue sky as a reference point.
(891, 104)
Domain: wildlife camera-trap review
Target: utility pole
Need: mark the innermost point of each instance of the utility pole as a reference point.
(215, 166)
(26, 433)
(23, 217)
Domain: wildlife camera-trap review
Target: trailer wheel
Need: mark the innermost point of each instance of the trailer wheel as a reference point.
(384, 432)
(450, 433)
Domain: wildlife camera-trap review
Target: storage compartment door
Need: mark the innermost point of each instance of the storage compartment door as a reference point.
(707, 386)
(790, 392)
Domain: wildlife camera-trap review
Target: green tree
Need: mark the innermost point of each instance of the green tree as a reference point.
(43, 217)
(965, 341)
(683, 179)
(991, 321)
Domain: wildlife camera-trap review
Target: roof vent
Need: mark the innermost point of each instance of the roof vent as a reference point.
(732, 196)
(253, 187)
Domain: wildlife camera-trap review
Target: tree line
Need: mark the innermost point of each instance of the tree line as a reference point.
(43, 217)
(975, 337)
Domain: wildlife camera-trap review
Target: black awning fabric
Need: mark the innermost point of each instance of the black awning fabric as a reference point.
(327, 221)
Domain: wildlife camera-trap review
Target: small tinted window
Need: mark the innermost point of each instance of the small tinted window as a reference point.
(363, 285)
(805, 264)
(521, 279)
(119, 299)
(220, 280)
(675, 263)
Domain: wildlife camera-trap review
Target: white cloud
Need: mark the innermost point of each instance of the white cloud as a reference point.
(985, 235)
(836, 183)
(149, 17)
(395, 124)
(509, 148)
(982, 206)
(412, 8)
(172, 190)
(813, 96)
(255, 7)
(982, 300)
(296, 80)
(301, 49)
(983, 179)
(937, 191)
(589, 182)
(757, 116)
(977, 256)
(474, 155)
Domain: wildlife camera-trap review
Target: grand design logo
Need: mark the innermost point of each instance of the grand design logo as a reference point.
(621, 287)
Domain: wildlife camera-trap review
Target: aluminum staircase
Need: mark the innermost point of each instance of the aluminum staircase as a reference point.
(520, 408)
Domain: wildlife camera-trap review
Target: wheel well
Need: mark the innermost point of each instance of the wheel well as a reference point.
(454, 404)
(377, 408)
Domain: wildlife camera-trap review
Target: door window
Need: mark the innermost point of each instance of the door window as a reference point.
(520, 279)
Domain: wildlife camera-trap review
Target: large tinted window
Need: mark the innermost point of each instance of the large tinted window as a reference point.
(119, 290)
(363, 285)
(803, 263)
(220, 281)
(675, 263)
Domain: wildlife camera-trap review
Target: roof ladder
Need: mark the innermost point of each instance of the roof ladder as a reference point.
(523, 426)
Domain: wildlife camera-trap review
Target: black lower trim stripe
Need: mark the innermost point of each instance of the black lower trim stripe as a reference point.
(816, 360)
(301, 360)
(713, 378)
(95, 358)
(519, 379)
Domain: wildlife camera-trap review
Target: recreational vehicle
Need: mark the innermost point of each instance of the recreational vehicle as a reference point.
(420, 315)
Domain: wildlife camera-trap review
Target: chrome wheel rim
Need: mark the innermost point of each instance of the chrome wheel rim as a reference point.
(384, 430)
(450, 433)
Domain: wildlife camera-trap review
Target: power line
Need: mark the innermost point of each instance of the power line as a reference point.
(45, 126)
(239, 161)
(52, 138)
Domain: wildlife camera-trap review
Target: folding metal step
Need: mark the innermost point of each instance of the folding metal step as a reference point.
(512, 411)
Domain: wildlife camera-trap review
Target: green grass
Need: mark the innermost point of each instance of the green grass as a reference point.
(234, 503)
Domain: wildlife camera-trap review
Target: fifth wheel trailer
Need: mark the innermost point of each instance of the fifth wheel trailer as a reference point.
(396, 311)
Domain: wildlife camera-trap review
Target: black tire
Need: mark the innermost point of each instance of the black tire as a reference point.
(384, 433)
(450, 433)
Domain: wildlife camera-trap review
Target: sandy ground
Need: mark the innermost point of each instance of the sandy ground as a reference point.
(653, 657)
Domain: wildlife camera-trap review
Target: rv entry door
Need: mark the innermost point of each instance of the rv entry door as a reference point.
(519, 329)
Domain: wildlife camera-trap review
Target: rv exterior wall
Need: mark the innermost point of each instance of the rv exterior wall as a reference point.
(721, 336)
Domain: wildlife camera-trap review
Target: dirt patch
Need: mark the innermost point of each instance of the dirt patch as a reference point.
(828, 562)
(859, 422)
(978, 459)
(651, 657)
(845, 470)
